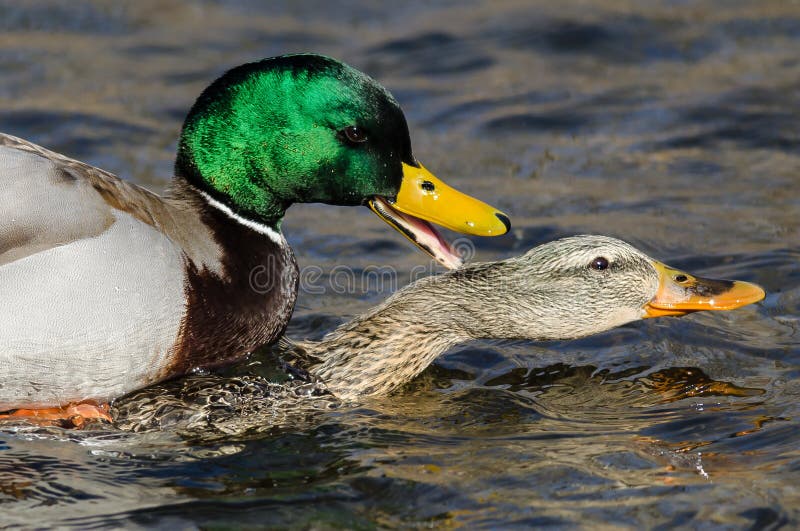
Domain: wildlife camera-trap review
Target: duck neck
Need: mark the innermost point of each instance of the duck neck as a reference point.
(242, 199)
(391, 344)
(240, 276)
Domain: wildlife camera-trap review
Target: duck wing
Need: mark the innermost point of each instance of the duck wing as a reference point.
(50, 200)
(91, 284)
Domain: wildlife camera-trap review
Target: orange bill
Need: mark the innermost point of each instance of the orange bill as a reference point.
(680, 293)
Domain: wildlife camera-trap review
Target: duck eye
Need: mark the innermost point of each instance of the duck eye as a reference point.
(681, 278)
(599, 264)
(427, 186)
(354, 134)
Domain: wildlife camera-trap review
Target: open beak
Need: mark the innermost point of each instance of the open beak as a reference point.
(680, 293)
(422, 199)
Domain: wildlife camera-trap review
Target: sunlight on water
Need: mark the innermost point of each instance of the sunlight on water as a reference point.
(671, 125)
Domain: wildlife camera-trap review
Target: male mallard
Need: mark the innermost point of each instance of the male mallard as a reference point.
(107, 287)
(564, 289)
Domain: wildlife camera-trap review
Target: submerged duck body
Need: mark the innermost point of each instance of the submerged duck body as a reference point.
(107, 287)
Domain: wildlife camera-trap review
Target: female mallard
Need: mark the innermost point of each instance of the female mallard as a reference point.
(564, 289)
(107, 287)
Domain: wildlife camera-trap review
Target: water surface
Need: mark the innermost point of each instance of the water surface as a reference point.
(672, 125)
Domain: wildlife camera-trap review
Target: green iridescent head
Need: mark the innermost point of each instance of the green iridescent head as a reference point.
(297, 128)
(307, 128)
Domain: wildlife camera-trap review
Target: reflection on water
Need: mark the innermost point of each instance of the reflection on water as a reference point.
(671, 125)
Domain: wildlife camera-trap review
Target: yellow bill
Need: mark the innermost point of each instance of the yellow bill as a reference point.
(423, 198)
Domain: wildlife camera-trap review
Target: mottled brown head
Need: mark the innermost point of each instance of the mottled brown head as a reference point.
(582, 285)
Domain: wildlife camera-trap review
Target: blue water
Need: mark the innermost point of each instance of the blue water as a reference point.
(672, 125)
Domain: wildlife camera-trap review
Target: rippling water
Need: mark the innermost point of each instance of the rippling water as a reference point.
(673, 125)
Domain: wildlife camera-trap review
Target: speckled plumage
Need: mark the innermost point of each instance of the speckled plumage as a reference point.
(548, 293)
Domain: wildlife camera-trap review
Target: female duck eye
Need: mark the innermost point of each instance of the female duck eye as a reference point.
(354, 134)
(599, 264)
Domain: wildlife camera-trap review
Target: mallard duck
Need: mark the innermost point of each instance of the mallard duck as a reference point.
(108, 287)
(565, 289)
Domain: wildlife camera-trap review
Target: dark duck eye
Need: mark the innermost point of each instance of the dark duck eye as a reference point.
(354, 134)
(599, 264)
